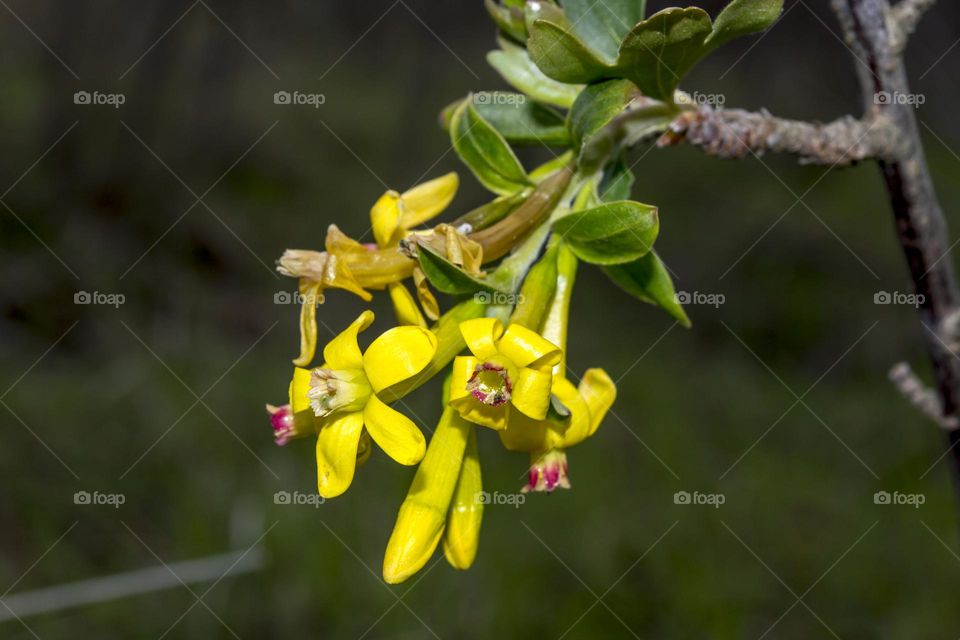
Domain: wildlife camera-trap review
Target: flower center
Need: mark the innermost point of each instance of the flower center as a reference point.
(338, 389)
(490, 384)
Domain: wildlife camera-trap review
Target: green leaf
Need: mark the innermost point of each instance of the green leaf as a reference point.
(562, 56)
(521, 120)
(516, 67)
(742, 17)
(447, 277)
(649, 280)
(659, 51)
(597, 105)
(485, 151)
(612, 233)
(625, 130)
(510, 19)
(616, 183)
(603, 25)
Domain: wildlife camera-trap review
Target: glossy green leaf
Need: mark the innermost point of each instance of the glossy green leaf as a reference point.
(485, 151)
(521, 120)
(742, 17)
(561, 55)
(603, 25)
(616, 183)
(597, 105)
(509, 18)
(648, 279)
(447, 277)
(516, 67)
(612, 233)
(659, 51)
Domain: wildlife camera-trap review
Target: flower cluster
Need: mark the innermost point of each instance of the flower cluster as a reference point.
(506, 364)
(586, 85)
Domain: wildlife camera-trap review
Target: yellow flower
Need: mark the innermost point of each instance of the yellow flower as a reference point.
(394, 214)
(585, 405)
(507, 370)
(546, 440)
(344, 393)
(392, 217)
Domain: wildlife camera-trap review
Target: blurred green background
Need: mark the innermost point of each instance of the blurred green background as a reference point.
(777, 399)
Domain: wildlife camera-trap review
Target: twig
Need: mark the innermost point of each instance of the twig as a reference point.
(920, 395)
(921, 227)
(904, 17)
(734, 133)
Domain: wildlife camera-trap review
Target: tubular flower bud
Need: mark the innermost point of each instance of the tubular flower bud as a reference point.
(423, 514)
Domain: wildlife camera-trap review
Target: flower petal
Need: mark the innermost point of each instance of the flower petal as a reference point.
(427, 300)
(599, 392)
(364, 448)
(527, 348)
(310, 290)
(385, 219)
(299, 386)
(475, 411)
(481, 335)
(463, 367)
(398, 354)
(426, 200)
(577, 427)
(461, 536)
(337, 453)
(531, 392)
(526, 434)
(343, 352)
(394, 432)
(405, 306)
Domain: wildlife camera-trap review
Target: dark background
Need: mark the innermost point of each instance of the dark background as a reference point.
(778, 399)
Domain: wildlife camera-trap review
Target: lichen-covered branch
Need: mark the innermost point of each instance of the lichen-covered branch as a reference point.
(734, 133)
(904, 17)
(920, 224)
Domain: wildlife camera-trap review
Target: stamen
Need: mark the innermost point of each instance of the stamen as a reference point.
(490, 384)
(332, 389)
